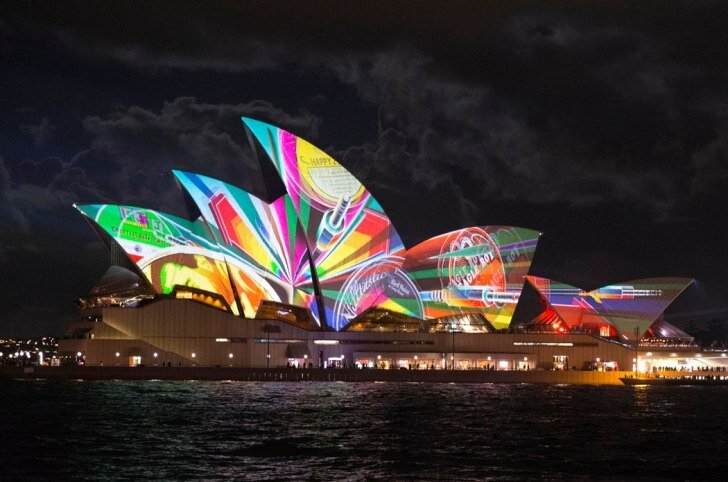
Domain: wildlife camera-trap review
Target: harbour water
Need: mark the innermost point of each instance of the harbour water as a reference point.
(359, 431)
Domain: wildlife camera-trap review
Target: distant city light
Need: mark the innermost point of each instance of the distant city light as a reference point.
(230, 355)
(194, 355)
(156, 354)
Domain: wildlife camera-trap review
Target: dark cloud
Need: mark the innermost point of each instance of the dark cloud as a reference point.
(42, 132)
(711, 169)
(603, 126)
(132, 150)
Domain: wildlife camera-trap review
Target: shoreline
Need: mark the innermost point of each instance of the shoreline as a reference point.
(312, 374)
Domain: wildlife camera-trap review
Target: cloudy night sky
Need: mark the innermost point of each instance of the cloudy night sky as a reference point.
(605, 127)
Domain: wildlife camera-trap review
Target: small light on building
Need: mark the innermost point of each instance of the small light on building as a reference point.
(268, 355)
(723, 355)
(649, 353)
(525, 358)
(379, 357)
(117, 354)
(78, 353)
(194, 355)
(489, 358)
(230, 355)
(415, 356)
(598, 359)
(699, 355)
(155, 354)
(305, 357)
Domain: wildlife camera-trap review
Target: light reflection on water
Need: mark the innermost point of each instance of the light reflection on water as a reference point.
(321, 431)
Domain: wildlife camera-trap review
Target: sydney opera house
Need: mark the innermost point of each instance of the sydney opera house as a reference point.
(320, 278)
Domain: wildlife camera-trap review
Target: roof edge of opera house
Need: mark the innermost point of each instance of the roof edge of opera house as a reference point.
(326, 257)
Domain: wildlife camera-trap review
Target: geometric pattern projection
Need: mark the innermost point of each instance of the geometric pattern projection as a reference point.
(173, 253)
(255, 237)
(328, 246)
(630, 307)
(355, 247)
(472, 270)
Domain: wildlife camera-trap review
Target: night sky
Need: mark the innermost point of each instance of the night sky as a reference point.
(605, 127)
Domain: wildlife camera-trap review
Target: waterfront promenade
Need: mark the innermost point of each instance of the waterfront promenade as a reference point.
(312, 374)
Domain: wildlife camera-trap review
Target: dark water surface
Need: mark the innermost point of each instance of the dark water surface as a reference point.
(324, 431)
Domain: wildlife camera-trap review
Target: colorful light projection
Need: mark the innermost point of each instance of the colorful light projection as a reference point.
(630, 307)
(472, 270)
(173, 253)
(258, 239)
(356, 250)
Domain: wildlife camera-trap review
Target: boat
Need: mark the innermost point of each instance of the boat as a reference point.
(677, 380)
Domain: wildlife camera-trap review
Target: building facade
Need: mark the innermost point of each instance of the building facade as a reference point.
(320, 277)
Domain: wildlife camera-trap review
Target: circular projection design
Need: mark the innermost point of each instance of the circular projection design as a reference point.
(378, 283)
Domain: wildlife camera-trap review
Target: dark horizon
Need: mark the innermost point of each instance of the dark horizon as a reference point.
(604, 127)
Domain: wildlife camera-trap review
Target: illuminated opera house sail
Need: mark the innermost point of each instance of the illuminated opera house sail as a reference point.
(325, 257)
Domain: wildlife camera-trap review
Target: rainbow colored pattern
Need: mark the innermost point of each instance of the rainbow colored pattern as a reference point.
(170, 251)
(329, 247)
(351, 240)
(256, 237)
(630, 307)
(472, 270)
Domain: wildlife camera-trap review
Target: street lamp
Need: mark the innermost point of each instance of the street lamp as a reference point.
(453, 326)
(636, 350)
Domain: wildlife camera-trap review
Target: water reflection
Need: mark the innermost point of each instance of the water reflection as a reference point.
(170, 430)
